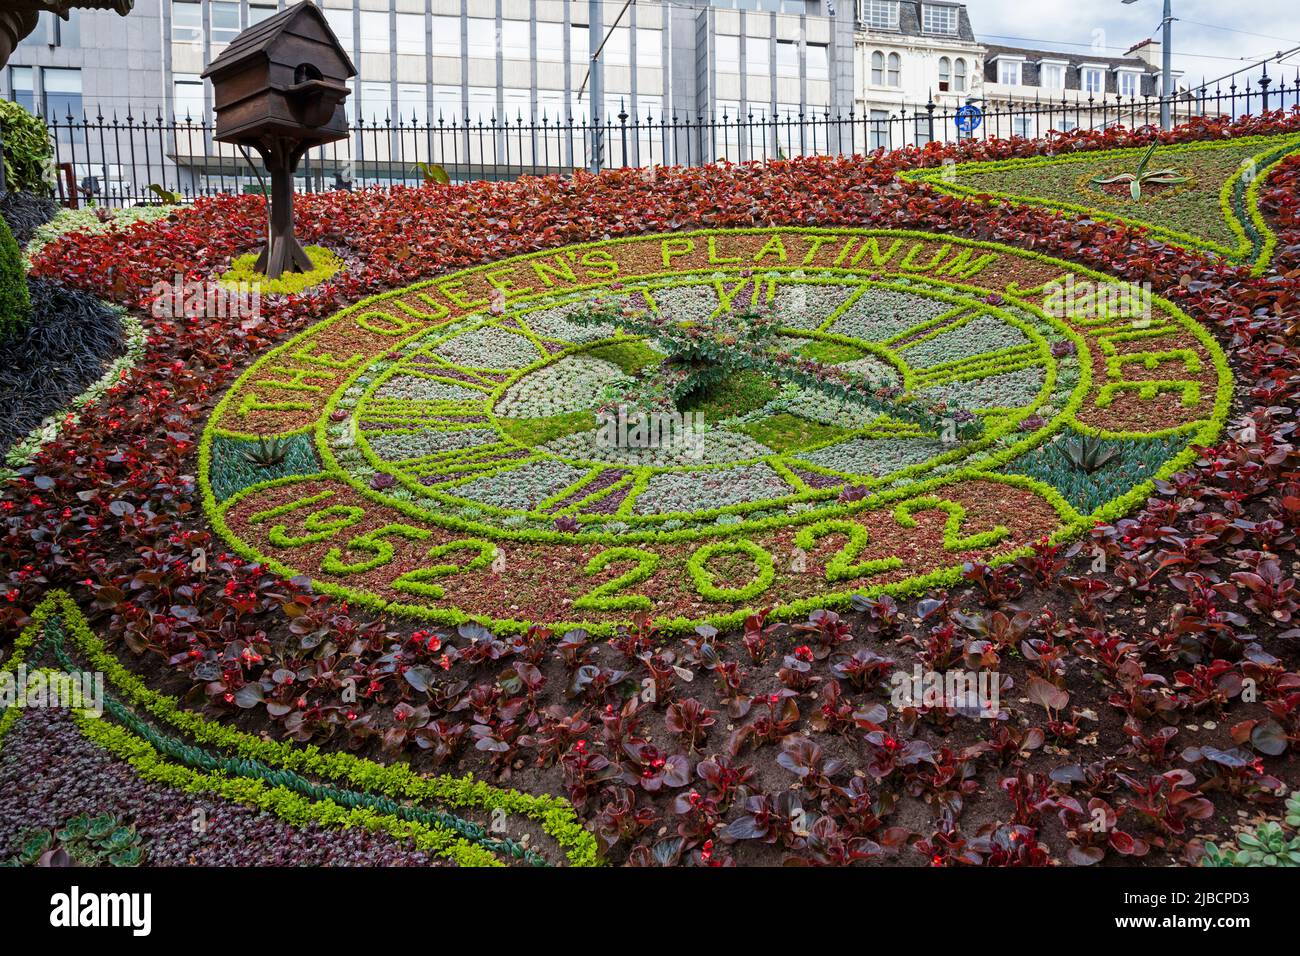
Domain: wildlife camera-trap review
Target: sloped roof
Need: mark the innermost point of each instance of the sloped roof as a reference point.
(1074, 59)
(256, 40)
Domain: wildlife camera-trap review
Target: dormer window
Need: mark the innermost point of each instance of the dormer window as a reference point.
(1129, 82)
(1093, 79)
(1009, 71)
(1051, 74)
(879, 14)
(938, 19)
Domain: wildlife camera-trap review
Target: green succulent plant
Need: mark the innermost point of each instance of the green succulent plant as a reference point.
(1143, 176)
(1088, 454)
(267, 453)
(83, 840)
(1269, 844)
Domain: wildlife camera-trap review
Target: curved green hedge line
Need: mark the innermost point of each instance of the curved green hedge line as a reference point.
(398, 782)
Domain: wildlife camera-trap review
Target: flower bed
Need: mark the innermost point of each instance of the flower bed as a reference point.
(1108, 660)
(436, 485)
(1216, 209)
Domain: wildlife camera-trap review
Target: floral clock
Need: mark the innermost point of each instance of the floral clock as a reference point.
(447, 451)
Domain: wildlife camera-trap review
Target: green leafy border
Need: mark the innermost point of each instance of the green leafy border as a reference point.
(1075, 525)
(397, 782)
(1238, 197)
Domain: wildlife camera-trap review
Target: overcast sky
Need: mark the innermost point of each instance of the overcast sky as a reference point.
(1076, 25)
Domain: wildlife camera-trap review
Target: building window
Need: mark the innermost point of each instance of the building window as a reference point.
(878, 68)
(225, 20)
(618, 48)
(550, 42)
(650, 49)
(22, 80)
(1009, 72)
(516, 43)
(410, 33)
(447, 104)
(62, 90)
(66, 33)
(482, 37)
(921, 123)
(938, 19)
(412, 107)
(959, 76)
(374, 32)
(257, 12)
(482, 103)
(879, 14)
(945, 74)
(374, 102)
(787, 58)
(1052, 76)
(1094, 81)
(727, 52)
(758, 56)
(879, 129)
(340, 22)
(446, 36)
(818, 58)
(579, 44)
(550, 105)
(187, 22)
(187, 98)
(1128, 83)
(895, 70)
(516, 105)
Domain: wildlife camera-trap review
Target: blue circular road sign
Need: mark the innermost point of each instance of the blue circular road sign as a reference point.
(969, 118)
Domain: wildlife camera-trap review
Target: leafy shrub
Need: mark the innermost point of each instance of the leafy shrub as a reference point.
(27, 150)
(54, 357)
(15, 304)
(25, 213)
(90, 222)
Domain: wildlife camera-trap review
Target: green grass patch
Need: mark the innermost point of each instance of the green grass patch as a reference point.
(538, 431)
(631, 357)
(737, 394)
(786, 432)
(832, 353)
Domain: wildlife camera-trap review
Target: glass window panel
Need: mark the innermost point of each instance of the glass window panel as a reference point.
(550, 42)
(374, 32)
(482, 37)
(410, 33)
(516, 41)
(819, 64)
(446, 36)
(187, 22)
(225, 20)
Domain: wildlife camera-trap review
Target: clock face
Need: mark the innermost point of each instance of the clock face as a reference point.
(695, 426)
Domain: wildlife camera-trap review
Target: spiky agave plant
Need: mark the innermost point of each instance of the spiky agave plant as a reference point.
(1088, 454)
(1143, 176)
(267, 453)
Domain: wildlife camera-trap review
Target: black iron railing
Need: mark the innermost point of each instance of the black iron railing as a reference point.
(117, 160)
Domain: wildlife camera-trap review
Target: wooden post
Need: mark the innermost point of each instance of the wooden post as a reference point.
(283, 253)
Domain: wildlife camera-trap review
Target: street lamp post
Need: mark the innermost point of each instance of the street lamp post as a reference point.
(1167, 64)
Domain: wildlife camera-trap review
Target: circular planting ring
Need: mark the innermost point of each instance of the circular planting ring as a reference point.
(451, 451)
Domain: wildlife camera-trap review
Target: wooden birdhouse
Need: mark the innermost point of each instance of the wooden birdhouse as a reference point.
(279, 88)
